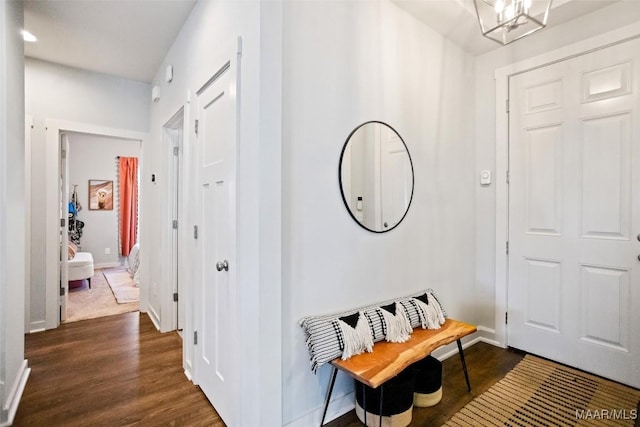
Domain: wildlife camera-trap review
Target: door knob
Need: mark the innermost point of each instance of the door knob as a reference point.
(222, 265)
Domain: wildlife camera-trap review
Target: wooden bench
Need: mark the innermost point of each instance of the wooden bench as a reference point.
(389, 359)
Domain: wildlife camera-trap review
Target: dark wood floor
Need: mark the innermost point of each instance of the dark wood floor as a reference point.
(112, 371)
(486, 364)
(119, 370)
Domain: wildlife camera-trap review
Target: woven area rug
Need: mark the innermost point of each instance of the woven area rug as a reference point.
(84, 303)
(122, 285)
(538, 392)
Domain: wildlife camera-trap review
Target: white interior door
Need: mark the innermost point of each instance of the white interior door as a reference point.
(574, 212)
(173, 145)
(396, 177)
(217, 348)
(64, 225)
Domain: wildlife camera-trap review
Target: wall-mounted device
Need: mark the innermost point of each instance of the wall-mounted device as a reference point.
(155, 93)
(485, 177)
(168, 74)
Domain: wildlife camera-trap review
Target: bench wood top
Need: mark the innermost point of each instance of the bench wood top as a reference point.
(389, 359)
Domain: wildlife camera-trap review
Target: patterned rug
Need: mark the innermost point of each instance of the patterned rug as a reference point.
(122, 285)
(84, 303)
(538, 392)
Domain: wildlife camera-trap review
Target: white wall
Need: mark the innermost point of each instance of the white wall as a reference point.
(608, 19)
(58, 92)
(94, 157)
(346, 63)
(13, 367)
(207, 37)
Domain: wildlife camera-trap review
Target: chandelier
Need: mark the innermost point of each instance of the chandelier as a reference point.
(506, 21)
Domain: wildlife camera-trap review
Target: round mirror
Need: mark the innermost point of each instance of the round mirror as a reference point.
(376, 176)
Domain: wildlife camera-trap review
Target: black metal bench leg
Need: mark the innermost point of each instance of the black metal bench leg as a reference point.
(364, 402)
(381, 400)
(329, 391)
(464, 364)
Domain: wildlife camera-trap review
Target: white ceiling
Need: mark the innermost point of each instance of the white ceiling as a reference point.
(456, 19)
(129, 38)
(125, 38)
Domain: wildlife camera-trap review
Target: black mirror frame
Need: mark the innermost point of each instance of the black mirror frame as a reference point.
(344, 199)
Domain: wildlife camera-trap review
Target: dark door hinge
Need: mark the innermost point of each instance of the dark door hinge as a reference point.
(175, 297)
(195, 337)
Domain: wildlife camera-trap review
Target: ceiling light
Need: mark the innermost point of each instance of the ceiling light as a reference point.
(28, 37)
(506, 21)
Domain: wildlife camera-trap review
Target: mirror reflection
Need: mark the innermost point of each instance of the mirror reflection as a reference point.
(376, 176)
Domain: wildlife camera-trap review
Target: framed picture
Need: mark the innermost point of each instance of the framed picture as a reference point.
(100, 195)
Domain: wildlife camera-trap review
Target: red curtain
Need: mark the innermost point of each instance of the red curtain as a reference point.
(128, 169)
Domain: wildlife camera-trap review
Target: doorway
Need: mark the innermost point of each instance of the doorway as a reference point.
(173, 132)
(55, 200)
(91, 167)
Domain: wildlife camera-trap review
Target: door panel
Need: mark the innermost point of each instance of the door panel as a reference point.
(217, 350)
(574, 212)
(543, 176)
(606, 208)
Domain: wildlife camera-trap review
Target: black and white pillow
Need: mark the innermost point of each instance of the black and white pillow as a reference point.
(398, 328)
(325, 335)
(355, 335)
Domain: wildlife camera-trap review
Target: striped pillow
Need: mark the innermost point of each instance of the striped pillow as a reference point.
(324, 334)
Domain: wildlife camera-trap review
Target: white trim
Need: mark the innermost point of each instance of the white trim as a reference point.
(502, 146)
(15, 394)
(155, 319)
(337, 407)
(112, 264)
(52, 264)
(38, 326)
(188, 375)
(28, 126)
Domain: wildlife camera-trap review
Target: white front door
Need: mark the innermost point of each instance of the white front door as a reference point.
(574, 212)
(217, 358)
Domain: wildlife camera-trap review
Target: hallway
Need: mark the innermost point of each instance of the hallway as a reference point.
(115, 370)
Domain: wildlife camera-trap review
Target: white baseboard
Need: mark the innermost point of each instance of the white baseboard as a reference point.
(38, 326)
(188, 369)
(10, 406)
(106, 265)
(337, 407)
(154, 317)
(488, 335)
(345, 403)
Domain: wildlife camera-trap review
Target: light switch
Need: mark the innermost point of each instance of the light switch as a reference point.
(485, 177)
